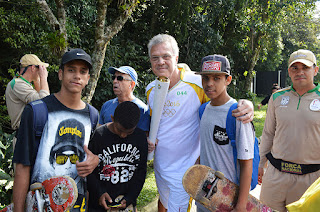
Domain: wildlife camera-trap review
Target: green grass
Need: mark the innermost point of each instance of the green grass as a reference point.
(149, 191)
(259, 117)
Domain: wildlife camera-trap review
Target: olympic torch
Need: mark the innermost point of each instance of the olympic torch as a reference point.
(160, 93)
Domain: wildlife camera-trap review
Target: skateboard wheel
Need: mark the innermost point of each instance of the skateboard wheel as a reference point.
(219, 175)
(35, 186)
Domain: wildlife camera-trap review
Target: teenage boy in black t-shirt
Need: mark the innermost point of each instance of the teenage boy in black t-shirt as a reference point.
(122, 149)
(67, 113)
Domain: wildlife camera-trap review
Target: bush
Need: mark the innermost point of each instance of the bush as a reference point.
(6, 168)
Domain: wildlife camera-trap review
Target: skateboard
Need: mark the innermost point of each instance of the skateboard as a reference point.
(116, 203)
(53, 194)
(8, 208)
(215, 192)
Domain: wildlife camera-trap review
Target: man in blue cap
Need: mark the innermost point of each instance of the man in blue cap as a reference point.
(124, 81)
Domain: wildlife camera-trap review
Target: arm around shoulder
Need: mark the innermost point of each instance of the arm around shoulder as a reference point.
(245, 111)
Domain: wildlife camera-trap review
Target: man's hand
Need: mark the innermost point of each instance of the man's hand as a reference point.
(260, 175)
(86, 167)
(42, 77)
(259, 106)
(104, 199)
(43, 73)
(244, 112)
(151, 146)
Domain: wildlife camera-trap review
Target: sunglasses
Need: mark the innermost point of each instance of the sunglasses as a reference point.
(62, 158)
(25, 69)
(119, 78)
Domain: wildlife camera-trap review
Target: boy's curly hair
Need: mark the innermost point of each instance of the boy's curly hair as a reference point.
(127, 114)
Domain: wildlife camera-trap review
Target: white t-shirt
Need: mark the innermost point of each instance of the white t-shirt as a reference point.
(178, 135)
(216, 150)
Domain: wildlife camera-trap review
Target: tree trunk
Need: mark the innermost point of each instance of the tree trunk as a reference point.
(57, 23)
(102, 34)
(102, 38)
(255, 51)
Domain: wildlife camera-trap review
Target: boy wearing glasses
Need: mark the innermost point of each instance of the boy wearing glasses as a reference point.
(124, 81)
(122, 150)
(61, 150)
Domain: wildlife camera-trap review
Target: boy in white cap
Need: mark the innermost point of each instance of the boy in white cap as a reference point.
(291, 135)
(20, 91)
(216, 150)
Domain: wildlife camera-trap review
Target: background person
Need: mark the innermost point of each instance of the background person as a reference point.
(20, 91)
(124, 80)
(291, 135)
(178, 144)
(265, 101)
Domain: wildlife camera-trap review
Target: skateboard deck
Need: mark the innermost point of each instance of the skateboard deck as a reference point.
(215, 192)
(8, 208)
(130, 208)
(54, 194)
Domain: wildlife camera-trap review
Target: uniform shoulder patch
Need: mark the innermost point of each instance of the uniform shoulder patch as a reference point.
(280, 92)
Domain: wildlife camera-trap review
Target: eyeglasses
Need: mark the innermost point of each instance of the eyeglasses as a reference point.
(164, 57)
(25, 69)
(119, 78)
(62, 158)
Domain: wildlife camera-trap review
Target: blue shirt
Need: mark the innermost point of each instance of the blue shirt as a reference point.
(109, 107)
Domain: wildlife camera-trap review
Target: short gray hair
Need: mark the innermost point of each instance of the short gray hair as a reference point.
(162, 38)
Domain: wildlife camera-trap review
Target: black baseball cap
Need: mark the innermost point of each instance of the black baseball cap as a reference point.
(76, 54)
(214, 64)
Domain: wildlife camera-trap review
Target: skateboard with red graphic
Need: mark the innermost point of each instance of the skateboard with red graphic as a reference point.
(53, 194)
(8, 208)
(215, 192)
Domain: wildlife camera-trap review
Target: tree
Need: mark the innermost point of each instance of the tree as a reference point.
(263, 20)
(103, 34)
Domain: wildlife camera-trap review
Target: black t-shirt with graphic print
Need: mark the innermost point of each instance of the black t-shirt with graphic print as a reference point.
(122, 167)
